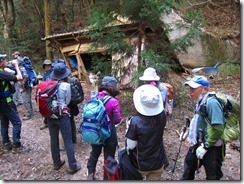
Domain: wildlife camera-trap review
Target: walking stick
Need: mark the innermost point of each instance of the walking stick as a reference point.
(184, 130)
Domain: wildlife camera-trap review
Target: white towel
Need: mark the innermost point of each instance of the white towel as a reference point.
(192, 137)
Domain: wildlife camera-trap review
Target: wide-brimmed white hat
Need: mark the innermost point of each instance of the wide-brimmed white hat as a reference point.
(148, 100)
(150, 75)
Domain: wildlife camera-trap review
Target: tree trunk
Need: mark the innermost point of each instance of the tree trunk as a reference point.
(7, 12)
(47, 5)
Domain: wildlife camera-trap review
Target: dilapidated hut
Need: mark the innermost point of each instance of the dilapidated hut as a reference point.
(75, 47)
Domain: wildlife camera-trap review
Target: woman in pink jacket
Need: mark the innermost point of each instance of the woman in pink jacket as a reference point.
(108, 87)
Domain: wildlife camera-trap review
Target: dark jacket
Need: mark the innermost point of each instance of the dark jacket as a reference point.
(148, 132)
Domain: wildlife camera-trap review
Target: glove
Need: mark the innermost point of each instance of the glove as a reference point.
(201, 151)
(184, 135)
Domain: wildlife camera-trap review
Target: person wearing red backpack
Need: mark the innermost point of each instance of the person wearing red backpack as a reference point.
(47, 66)
(62, 124)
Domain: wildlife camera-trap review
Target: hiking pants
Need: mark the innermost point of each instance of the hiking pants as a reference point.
(152, 175)
(27, 101)
(73, 128)
(212, 162)
(17, 98)
(63, 125)
(9, 112)
(109, 148)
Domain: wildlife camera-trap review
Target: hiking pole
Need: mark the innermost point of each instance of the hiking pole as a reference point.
(184, 130)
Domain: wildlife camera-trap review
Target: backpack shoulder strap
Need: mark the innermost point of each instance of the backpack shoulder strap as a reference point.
(105, 99)
(203, 109)
(160, 86)
(3, 86)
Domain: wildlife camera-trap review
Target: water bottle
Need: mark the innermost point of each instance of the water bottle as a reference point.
(54, 103)
(93, 93)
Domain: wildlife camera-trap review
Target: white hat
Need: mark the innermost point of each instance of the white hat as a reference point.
(150, 75)
(148, 100)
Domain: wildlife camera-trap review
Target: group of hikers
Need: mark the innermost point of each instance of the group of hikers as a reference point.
(144, 136)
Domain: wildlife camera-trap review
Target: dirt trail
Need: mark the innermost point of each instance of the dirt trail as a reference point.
(36, 163)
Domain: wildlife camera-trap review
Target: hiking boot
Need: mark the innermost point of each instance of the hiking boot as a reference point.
(90, 177)
(58, 167)
(26, 118)
(72, 171)
(44, 125)
(18, 104)
(7, 147)
(17, 149)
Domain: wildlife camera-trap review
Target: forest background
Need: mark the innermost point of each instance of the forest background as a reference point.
(24, 24)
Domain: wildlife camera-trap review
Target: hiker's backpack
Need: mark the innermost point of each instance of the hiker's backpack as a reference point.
(127, 169)
(32, 77)
(46, 99)
(170, 90)
(94, 126)
(111, 169)
(77, 94)
(231, 110)
(169, 101)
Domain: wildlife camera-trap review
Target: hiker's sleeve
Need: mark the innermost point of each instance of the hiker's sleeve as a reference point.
(131, 132)
(131, 144)
(68, 94)
(117, 118)
(215, 112)
(214, 133)
(216, 117)
(8, 76)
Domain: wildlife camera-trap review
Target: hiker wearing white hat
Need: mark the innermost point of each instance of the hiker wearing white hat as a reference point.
(150, 77)
(145, 133)
(204, 132)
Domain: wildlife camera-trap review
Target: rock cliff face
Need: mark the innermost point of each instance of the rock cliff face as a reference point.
(207, 51)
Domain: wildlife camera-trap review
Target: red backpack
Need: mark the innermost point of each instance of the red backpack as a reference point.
(46, 99)
(170, 90)
(111, 169)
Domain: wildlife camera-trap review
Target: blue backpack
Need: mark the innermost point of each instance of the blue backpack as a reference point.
(32, 77)
(94, 126)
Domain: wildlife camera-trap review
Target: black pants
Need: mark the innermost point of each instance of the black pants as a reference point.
(212, 162)
(73, 128)
(109, 148)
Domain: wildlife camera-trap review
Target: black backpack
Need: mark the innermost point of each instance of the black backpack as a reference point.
(127, 169)
(77, 94)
